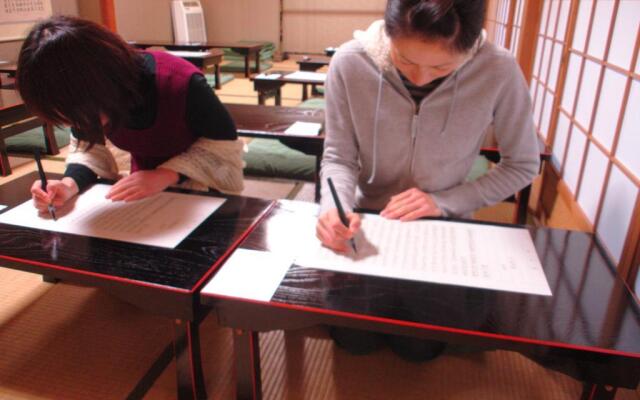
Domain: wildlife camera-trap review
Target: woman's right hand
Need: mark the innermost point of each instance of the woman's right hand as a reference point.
(332, 233)
(57, 194)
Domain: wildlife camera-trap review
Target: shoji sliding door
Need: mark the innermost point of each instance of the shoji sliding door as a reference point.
(588, 109)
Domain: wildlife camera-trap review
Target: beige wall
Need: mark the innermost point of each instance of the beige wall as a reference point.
(9, 50)
(144, 19)
(90, 9)
(233, 20)
(310, 26)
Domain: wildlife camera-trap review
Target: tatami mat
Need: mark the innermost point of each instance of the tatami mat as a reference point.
(66, 342)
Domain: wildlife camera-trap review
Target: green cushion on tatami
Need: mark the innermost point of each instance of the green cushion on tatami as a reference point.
(269, 157)
(33, 139)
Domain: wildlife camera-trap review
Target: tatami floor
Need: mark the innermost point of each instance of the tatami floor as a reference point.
(60, 341)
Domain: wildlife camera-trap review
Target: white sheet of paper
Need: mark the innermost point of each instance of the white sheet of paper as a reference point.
(307, 75)
(250, 274)
(304, 128)
(268, 76)
(465, 254)
(2, 207)
(192, 54)
(162, 220)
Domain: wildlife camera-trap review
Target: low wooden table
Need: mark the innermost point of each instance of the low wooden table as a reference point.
(160, 281)
(588, 328)
(205, 60)
(15, 119)
(267, 87)
(247, 49)
(312, 63)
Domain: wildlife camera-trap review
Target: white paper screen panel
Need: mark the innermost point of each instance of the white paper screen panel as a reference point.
(600, 28)
(587, 94)
(582, 25)
(627, 21)
(556, 56)
(537, 108)
(560, 142)
(609, 102)
(616, 212)
(546, 57)
(571, 83)
(629, 144)
(553, 17)
(592, 180)
(536, 64)
(574, 159)
(562, 20)
(545, 19)
(546, 113)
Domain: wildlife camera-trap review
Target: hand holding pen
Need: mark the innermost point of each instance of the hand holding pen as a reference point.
(43, 184)
(335, 227)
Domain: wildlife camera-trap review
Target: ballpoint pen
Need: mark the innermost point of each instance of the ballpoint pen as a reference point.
(341, 214)
(43, 183)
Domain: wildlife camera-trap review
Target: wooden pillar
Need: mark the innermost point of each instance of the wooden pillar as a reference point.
(529, 36)
(108, 12)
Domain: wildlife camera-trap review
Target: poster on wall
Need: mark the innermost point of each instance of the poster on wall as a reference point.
(17, 11)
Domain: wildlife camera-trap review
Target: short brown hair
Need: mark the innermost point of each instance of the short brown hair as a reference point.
(70, 71)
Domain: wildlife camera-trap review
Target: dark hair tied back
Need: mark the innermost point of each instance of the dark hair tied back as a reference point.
(458, 22)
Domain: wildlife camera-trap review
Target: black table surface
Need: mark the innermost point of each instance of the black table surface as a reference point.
(182, 269)
(592, 311)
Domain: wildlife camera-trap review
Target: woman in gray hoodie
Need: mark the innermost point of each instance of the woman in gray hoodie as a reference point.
(409, 103)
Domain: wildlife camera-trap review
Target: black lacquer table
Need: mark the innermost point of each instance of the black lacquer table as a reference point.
(589, 329)
(161, 281)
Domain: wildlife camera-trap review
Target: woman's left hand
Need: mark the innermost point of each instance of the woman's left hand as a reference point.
(142, 184)
(409, 205)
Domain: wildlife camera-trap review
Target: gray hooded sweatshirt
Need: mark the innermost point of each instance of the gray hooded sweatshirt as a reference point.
(379, 143)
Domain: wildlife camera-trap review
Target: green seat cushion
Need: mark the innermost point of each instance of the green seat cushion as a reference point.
(313, 103)
(269, 157)
(238, 66)
(479, 168)
(224, 78)
(28, 141)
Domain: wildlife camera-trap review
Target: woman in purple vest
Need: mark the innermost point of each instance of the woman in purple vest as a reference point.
(153, 105)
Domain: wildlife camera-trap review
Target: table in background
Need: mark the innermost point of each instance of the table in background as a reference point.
(9, 69)
(267, 87)
(158, 280)
(15, 119)
(588, 329)
(205, 60)
(246, 49)
(312, 64)
(272, 122)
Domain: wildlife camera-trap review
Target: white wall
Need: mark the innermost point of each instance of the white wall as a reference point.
(14, 33)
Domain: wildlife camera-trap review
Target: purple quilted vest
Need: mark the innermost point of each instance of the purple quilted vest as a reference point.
(169, 134)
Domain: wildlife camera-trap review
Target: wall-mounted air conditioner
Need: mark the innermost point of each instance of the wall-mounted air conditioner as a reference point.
(188, 21)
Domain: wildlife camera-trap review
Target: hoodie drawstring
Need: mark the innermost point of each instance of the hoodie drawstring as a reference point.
(375, 130)
(452, 104)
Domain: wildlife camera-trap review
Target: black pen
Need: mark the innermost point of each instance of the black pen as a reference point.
(43, 183)
(341, 214)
